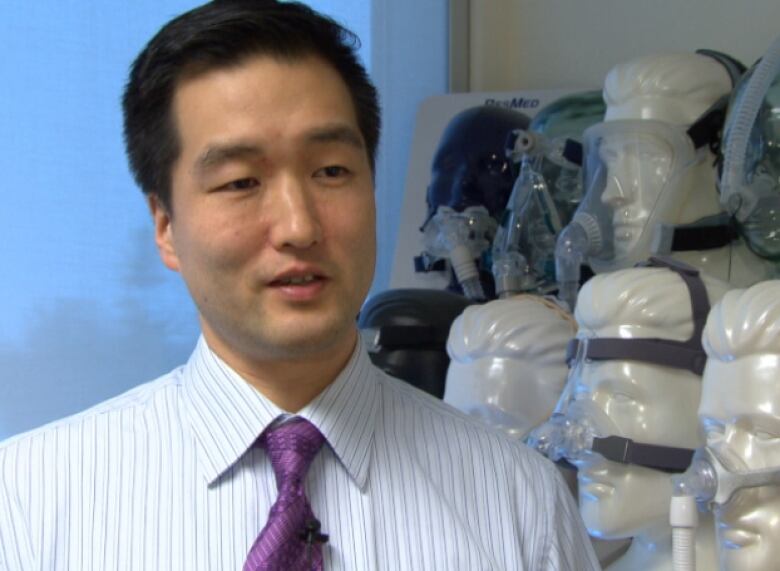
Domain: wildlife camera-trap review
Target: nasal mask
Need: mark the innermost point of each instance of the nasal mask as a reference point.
(713, 485)
(579, 429)
(461, 238)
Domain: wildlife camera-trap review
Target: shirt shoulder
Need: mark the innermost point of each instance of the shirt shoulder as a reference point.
(129, 406)
(462, 431)
(58, 469)
(491, 480)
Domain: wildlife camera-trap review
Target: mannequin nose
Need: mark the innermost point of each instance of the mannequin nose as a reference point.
(616, 190)
(296, 221)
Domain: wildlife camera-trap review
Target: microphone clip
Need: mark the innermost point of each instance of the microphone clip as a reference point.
(311, 532)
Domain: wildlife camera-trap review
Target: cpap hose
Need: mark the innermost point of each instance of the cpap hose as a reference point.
(510, 267)
(747, 106)
(699, 482)
(684, 518)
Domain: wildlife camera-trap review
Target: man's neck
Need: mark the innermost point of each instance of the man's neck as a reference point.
(289, 382)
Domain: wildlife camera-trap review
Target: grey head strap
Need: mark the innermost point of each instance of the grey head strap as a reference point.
(687, 355)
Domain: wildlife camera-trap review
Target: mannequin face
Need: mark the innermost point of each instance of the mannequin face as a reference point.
(740, 414)
(649, 404)
(510, 394)
(638, 166)
(470, 167)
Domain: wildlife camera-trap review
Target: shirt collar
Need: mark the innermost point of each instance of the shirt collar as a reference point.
(227, 414)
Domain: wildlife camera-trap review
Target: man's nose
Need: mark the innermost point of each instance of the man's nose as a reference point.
(296, 221)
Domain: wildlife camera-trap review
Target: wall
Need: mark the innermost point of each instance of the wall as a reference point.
(409, 64)
(542, 44)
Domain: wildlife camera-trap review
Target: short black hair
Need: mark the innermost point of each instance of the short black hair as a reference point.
(220, 34)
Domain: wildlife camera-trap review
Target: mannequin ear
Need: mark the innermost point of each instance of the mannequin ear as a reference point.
(163, 233)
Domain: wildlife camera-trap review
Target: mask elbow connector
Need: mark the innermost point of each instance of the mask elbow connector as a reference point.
(511, 274)
(580, 237)
(466, 272)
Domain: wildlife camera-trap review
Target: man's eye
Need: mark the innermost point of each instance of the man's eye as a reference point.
(332, 171)
(240, 184)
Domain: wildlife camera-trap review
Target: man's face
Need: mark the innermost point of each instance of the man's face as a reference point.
(740, 414)
(638, 167)
(273, 223)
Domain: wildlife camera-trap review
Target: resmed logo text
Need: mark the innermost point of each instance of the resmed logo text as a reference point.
(513, 103)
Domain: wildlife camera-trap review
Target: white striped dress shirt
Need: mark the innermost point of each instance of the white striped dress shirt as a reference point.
(166, 477)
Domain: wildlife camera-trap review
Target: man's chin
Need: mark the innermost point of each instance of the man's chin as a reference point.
(307, 339)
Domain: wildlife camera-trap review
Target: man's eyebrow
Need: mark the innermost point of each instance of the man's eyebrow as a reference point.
(336, 134)
(220, 153)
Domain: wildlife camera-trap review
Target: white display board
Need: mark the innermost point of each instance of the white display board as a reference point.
(432, 118)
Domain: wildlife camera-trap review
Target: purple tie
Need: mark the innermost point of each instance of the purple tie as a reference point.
(283, 544)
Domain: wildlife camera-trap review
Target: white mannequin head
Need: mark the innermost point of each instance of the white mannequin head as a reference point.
(508, 362)
(648, 403)
(653, 173)
(740, 414)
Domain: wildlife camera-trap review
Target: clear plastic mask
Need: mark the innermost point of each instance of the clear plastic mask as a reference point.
(578, 430)
(545, 195)
(632, 174)
(472, 229)
(756, 199)
(713, 484)
(460, 237)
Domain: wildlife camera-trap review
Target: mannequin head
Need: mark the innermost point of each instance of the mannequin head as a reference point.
(648, 403)
(508, 361)
(470, 167)
(740, 415)
(643, 162)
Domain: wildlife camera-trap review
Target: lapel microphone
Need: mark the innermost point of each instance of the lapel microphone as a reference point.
(311, 535)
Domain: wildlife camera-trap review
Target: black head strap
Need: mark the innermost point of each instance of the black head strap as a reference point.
(706, 130)
(626, 451)
(734, 67)
(687, 355)
(707, 234)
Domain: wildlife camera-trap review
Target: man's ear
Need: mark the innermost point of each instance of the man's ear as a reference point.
(163, 233)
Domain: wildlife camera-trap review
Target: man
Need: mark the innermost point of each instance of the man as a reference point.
(252, 129)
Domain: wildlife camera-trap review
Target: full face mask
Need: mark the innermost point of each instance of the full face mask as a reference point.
(544, 197)
(633, 171)
(750, 177)
(577, 430)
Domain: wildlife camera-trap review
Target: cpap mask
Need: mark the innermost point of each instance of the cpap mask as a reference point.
(523, 249)
(578, 429)
(712, 484)
(750, 178)
(707, 485)
(632, 170)
(616, 226)
(461, 238)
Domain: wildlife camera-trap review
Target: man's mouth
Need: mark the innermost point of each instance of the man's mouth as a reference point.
(296, 280)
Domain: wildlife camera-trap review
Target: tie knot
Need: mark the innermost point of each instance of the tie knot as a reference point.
(291, 446)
